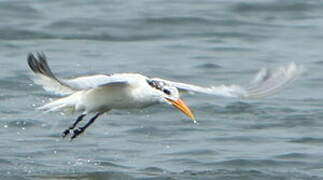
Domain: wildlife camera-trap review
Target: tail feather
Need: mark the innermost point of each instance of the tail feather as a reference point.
(65, 104)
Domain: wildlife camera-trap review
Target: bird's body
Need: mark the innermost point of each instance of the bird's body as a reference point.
(102, 93)
(135, 93)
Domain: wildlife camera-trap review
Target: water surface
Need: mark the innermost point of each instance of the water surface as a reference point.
(201, 42)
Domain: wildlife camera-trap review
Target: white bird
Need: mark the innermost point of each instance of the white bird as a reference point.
(103, 92)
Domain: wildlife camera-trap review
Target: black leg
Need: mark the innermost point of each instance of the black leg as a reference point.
(80, 130)
(79, 119)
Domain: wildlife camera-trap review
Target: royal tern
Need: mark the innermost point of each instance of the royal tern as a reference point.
(101, 93)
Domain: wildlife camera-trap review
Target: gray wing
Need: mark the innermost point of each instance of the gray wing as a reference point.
(265, 83)
(45, 77)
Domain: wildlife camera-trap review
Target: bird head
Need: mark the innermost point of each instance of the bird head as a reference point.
(170, 95)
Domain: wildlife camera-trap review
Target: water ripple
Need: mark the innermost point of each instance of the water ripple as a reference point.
(275, 7)
(90, 175)
(209, 42)
(209, 66)
(308, 140)
(151, 131)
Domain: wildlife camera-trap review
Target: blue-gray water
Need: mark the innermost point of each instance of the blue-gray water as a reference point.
(203, 42)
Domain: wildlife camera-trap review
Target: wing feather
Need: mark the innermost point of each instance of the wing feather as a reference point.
(265, 83)
(46, 78)
(93, 81)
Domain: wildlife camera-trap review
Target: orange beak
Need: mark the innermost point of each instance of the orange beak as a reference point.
(180, 105)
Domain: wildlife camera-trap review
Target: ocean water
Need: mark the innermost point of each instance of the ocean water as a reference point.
(208, 42)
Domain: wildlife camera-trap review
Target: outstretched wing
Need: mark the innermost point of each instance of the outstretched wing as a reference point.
(265, 83)
(45, 77)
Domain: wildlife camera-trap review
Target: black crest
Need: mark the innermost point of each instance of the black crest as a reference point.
(160, 85)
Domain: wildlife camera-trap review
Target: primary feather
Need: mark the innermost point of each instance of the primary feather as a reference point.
(265, 83)
(100, 93)
(45, 77)
(51, 83)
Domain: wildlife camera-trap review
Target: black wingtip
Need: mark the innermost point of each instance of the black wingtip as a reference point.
(38, 64)
(41, 56)
(32, 62)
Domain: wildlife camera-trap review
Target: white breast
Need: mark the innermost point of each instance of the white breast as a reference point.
(136, 94)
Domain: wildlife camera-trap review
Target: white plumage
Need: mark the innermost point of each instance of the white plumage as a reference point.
(101, 93)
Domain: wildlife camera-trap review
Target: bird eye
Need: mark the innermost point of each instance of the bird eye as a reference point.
(166, 91)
